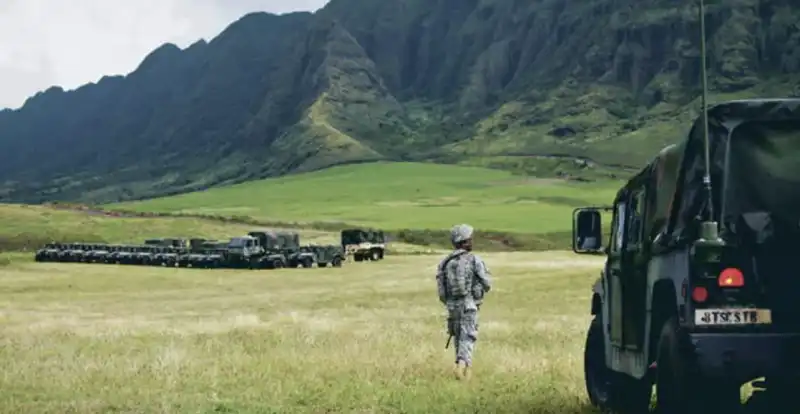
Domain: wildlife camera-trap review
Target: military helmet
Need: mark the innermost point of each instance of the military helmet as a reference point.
(460, 233)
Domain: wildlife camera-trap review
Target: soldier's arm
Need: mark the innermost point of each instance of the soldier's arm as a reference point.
(482, 274)
(440, 283)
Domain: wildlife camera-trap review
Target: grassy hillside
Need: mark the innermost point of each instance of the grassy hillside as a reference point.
(25, 226)
(396, 196)
(552, 88)
(416, 203)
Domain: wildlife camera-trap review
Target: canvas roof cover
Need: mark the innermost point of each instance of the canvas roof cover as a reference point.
(755, 166)
(357, 236)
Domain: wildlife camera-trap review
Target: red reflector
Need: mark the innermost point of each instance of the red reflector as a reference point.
(731, 277)
(699, 294)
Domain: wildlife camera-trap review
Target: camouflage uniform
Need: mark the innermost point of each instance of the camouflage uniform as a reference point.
(462, 280)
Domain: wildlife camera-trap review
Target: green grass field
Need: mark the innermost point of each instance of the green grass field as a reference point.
(366, 338)
(395, 196)
(26, 226)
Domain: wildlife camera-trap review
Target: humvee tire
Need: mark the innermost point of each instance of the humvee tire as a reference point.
(277, 264)
(681, 387)
(358, 257)
(607, 389)
(375, 255)
(306, 262)
(336, 262)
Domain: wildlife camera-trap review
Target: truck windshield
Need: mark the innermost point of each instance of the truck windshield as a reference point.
(238, 243)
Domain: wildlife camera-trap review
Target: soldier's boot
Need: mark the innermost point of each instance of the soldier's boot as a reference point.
(459, 369)
(467, 372)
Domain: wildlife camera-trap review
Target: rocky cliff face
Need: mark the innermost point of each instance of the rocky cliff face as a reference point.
(527, 85)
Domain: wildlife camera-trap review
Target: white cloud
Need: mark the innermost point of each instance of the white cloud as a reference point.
(69, 43)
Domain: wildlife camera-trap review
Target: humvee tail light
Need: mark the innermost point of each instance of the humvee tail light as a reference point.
(699, 294)
(731, 277)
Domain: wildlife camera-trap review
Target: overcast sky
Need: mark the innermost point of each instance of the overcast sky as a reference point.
(73, 42)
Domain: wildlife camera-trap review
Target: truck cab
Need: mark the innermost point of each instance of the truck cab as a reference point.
(695, 295)
(245, 251)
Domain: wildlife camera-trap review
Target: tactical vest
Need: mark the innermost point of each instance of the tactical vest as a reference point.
(458, 276)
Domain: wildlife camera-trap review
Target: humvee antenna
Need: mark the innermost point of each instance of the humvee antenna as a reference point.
(709, 228)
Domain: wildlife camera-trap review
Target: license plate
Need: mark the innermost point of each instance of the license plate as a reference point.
(732, 317)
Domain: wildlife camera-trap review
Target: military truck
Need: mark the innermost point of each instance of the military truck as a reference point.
(698, 294)
(245, 252)
(169, 256)
(364, 244)
(279, 249)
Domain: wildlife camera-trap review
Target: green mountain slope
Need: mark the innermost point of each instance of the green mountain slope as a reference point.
(581, 88)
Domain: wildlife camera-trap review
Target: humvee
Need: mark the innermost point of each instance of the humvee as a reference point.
(48, 253)
(697, 295)
(364, 244)
(325, 255)
(96, 254)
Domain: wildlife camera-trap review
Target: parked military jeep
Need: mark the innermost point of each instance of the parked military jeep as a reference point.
(698, 293)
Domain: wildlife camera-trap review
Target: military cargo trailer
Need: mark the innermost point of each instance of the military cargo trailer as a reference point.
(697, 295)
(364, 244)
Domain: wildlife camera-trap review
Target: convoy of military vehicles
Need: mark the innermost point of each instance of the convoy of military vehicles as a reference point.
(256, 250)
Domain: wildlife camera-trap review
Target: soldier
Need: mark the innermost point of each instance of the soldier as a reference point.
(462, 279)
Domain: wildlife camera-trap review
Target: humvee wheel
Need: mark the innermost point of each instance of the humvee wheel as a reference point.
(322, 265)
(607, 389)
(681, 388)
(358, 257)
(376, 255)
(277, 264)
(306, 262)
(337, 262)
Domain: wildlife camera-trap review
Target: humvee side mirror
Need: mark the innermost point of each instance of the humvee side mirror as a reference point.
(587, 231)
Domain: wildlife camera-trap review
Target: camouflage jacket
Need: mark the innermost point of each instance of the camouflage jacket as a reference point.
(462, 278)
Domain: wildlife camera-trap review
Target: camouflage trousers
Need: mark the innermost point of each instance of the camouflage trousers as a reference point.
(462, 325)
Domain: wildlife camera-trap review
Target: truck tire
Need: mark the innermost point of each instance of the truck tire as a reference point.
(337, 262)
(376, 255)
(609, 390)
(277, 264)
(681, 387)
(320, 264)
(358, 257)
(306, 262)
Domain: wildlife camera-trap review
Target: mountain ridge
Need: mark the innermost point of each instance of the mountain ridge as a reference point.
(552, 87)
